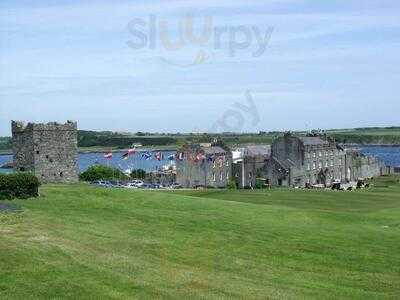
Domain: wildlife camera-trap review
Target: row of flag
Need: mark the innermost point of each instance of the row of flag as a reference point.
(146, 155)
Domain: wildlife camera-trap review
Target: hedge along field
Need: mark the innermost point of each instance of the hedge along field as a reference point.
(18, 185)
(84, 242)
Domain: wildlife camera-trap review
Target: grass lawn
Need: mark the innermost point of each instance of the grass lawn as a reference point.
(83, 242)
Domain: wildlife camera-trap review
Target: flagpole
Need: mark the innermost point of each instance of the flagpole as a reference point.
(205, 173)
(112, 169)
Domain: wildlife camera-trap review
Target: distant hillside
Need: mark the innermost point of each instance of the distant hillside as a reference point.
(373, 135)
(5, 143)
(112, 139)
(90, 139)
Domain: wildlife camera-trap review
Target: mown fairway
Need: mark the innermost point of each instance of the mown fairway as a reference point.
(83, 242)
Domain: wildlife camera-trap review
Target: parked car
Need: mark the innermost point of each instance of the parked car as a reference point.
(157, 186)
(360, 183)
(102, 183)
(131, 185)
(137, 183)
(146, 186)
(175, 186)
(336, 185)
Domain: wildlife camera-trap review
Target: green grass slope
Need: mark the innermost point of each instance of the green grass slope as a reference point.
(80, 242)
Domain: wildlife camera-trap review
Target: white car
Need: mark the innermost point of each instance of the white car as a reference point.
(175, 186)
(135, 184)
(131, 185)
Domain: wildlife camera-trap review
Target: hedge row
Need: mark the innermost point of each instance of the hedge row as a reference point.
(18, 185)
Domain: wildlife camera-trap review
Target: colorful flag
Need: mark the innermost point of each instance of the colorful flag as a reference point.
(199, 157)
(108, 155)
(171, 157)
(180, 156)
(146, 155)
(159, 156)
(128, 153)
(210, 158)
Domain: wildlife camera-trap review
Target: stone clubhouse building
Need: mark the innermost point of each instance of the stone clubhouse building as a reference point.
(301, 161)
(203, 165)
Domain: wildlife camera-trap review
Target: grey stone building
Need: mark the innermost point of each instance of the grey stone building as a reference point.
(358, 166)
(204, 165)
(316, 159)
(49, 150)
(299, 161)
(249, 163)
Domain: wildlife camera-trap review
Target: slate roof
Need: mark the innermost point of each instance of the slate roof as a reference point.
(213, 150)
(313, 141)
(285, 164)
(258, 150)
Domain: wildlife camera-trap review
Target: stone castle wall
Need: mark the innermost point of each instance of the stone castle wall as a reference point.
(49, 150)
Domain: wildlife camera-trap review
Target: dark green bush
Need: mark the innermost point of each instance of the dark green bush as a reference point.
(260, 184)
(138, 174)
(18, 185)
(102, 173)
(232, 185)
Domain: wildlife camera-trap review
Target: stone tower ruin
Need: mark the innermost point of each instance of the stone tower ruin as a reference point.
(49, 150)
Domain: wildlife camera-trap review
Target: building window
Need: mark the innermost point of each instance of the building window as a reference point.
(37, 152)
(227, 164)
(320, 153)
(214, 164)
(326, 164)
(314, 154)
(332, 163)
(227, 176)
(314, 165)
(308, 167)
(213, 175)
(320, 164)
(326, 153)
(332, 153)
(221, 176)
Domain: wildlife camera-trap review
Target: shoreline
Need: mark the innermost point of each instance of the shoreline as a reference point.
(174, 148)
(96, 150)
(371, 145)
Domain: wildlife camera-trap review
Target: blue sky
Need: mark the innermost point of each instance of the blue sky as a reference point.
(329, 64)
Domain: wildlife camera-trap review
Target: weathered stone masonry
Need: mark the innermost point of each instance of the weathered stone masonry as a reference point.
(214, 172)
(49, 150)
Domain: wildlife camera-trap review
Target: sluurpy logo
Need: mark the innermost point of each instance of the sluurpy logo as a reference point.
(199, 46)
